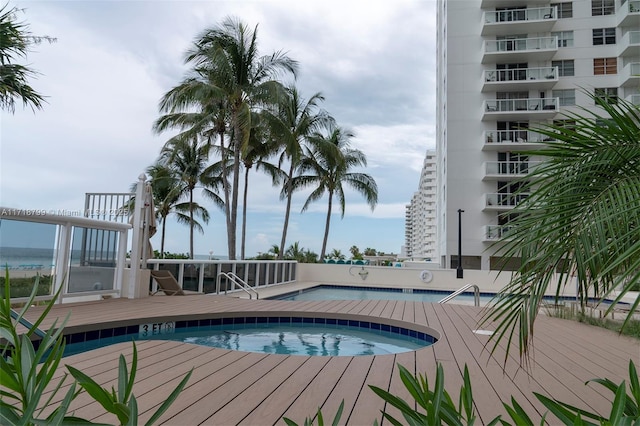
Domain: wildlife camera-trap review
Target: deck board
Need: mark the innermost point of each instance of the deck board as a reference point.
(229, 387)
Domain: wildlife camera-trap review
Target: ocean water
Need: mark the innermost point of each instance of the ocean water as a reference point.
(26, 258)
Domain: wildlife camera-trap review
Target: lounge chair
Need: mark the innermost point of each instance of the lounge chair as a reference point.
(167, 283)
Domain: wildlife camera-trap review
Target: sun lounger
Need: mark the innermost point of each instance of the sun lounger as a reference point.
(167, 283)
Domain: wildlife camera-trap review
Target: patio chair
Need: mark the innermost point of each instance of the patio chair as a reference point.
(167, 283)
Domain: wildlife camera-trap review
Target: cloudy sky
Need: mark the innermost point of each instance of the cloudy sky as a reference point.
(374, 61)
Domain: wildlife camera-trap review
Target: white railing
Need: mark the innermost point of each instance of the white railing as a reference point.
(529, 104)
(505, 199)
(476, 294)
(514, 136)
(510, 167)
(634, 99)
(634, 6)
(519, 15)
(496, 232)
(521, 44)
(202, 275)
(521, 74)
(71, 266)
(237, 282)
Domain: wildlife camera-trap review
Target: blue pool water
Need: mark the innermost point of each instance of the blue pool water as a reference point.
(331, 292)
(272, 335)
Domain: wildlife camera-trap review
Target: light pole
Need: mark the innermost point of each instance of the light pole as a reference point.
(459, 271)
(210, 254)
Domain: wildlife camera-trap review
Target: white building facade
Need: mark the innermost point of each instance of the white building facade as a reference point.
(420, 215)
(505, 66)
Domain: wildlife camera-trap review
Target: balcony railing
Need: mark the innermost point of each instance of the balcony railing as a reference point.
(496, 232)
(521, 74)
(504, 199)
(529, 104)
(630, 75)
(630, 44)
(521, 44)
(509, 168)
(634, 99)
(533, 14)
(629, 14)
(514, 136)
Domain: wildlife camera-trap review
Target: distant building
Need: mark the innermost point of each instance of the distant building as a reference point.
(420, 215)
(505, 66)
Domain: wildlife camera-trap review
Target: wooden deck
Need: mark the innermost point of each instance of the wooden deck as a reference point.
(230, 387)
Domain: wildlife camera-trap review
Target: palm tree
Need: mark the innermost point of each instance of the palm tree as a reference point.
(228, 55)
(15, 41)
(294, 121)
(259, 150)
(165, 189)
(580, 221)
(336, 254)
(295, 252)
(330, 161)
(188, 159)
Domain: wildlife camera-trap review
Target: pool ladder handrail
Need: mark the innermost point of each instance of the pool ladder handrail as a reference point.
(24, 322)
(476, 294)
(237, 281)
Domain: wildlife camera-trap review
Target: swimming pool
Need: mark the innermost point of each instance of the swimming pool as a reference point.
(273, 335)
(334, 292)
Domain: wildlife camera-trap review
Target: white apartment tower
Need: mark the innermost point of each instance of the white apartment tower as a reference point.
(505, 66)
(420, 216)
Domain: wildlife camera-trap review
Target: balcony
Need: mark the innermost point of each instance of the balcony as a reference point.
(492, 4)
(519, 50)
(630, 75)
(630, 44)
(496, 232)
(507, 170)
(634, 99)
(520, 109)
(513, 140)
(519, 79)
(629, 14)
(533, 20)
(503, 201)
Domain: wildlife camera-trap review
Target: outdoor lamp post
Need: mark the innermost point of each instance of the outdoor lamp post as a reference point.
(210, 254)
(459, 271)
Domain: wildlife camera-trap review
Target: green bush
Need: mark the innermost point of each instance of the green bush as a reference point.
(22, 287)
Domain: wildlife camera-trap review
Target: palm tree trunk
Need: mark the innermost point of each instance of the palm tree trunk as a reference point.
(234, 192)
(164, 227)
(286, 212)
(244, 212)
(326, 227)
(225, 186)
(191, 223)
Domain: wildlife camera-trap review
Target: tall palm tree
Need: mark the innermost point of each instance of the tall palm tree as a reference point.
(258, 151)
(329, 162)
(294, 120)
(580, 221)
(188, 160)
(228, 53)
(15, 41)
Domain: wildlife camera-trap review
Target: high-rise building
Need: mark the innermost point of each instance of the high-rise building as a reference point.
(506, 66)
(420, 216)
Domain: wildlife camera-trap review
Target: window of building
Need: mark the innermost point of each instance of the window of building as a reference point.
(604, 36)
(565, 9)
(602, 7)
(565, 68)
(610, 94)
(603, 66)
(567, 96)
(565, 38)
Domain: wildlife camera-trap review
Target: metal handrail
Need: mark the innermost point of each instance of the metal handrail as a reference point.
(27, 324)
(476, 294)
(236, 280)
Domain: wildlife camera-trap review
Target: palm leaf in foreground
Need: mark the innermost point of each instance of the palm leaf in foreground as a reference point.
(580, 222)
